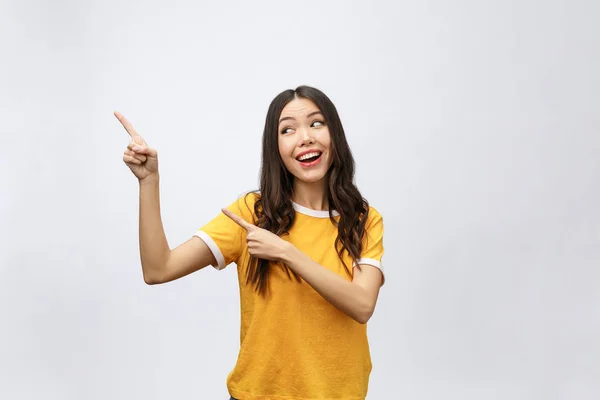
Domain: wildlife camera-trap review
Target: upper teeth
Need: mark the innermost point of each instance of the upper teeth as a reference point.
(309, 155)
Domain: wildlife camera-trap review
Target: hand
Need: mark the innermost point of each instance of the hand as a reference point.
(261, 243)
(141, 159)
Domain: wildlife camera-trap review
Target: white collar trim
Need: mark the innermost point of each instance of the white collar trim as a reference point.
(313, 213)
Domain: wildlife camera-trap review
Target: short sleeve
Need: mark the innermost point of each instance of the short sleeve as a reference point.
(372, 252)
(224, 237)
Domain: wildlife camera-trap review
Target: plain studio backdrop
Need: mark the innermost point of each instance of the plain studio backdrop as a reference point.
(474, 126)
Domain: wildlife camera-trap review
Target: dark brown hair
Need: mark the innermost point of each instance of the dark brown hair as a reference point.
(273, 208)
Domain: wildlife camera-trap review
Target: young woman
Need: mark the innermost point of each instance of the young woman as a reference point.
(308, 251)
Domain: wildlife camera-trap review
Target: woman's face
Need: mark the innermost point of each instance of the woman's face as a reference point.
(304, 141)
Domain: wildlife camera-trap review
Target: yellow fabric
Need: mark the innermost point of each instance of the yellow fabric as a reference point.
(294, 344)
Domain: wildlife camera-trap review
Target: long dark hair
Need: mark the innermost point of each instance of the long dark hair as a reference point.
(273, 208)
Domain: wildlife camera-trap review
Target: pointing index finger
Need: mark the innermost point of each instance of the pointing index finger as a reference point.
(238, 220)
(127, 125)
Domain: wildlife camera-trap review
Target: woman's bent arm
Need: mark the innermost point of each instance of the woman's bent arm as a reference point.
(159, 263)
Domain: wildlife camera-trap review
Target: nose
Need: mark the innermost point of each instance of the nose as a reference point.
(307, 137)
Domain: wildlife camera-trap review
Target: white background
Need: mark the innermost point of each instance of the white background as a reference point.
(474, 125)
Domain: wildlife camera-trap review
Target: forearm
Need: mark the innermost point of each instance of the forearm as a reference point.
(154, 248)
(350, 298)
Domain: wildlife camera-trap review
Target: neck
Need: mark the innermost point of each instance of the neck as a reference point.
(313, 195)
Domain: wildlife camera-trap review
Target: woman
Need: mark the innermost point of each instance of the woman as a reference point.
(308, 250)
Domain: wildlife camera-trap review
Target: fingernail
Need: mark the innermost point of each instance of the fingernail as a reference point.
(137, 148)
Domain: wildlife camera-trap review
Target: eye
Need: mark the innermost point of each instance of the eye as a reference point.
(317, 124)
(286, 130)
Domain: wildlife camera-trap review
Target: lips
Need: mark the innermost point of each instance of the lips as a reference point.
(314, 155)
(311, 162)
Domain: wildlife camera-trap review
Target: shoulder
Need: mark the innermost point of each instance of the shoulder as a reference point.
(374, 212)
(374, 216)
(244, 205)
(248, 199)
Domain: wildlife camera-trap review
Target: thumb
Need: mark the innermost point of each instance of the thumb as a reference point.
(148, 151)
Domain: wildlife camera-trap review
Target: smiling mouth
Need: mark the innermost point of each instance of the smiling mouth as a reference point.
(311, 159)
(309, 162)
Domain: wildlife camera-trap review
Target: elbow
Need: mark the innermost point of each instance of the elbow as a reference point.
(363, 318)
(155, 273)
(363, 307)
(152, 279)
(365, 313)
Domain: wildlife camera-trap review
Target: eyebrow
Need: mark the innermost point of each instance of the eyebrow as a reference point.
(308, 116)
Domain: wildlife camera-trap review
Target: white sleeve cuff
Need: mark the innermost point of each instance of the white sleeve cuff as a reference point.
(214, 248)
(371, 261)
(374, 263)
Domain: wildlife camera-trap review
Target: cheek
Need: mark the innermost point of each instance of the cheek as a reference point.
(285, 149)
(282, 147)
(325, 140)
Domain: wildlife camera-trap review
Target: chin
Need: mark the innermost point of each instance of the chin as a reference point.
(311, 178)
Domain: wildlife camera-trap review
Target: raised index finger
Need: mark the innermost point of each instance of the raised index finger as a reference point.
(127, 125)
(238, 220)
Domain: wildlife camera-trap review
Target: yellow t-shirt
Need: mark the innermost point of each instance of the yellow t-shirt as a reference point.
(295, 345)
